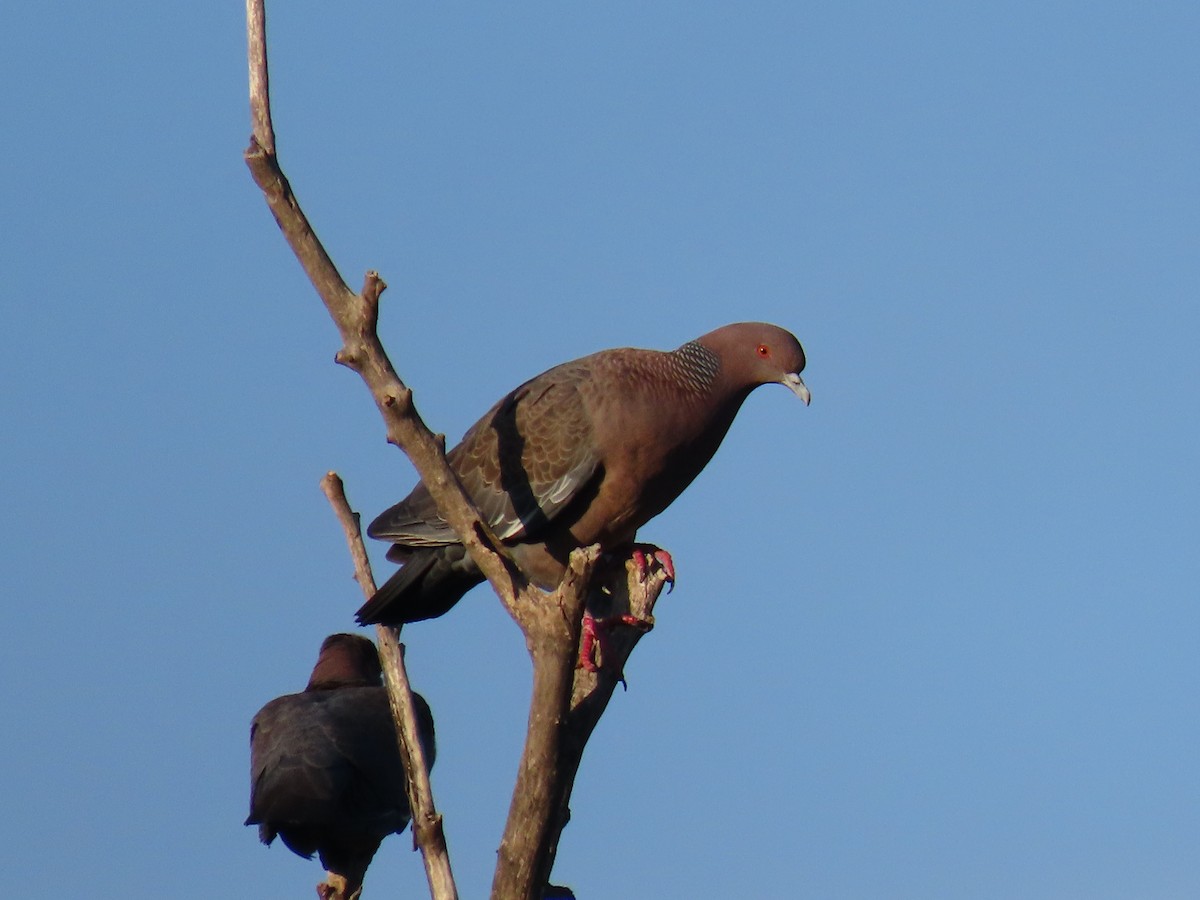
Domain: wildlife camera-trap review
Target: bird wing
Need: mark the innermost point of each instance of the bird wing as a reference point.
(327, 758)
(522, 464)
(295, 771)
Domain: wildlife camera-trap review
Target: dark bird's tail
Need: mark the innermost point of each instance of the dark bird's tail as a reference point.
(425, 587)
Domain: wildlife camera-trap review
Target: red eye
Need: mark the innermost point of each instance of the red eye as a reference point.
(764, 351)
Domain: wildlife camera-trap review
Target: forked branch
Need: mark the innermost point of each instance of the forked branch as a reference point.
(567, 702)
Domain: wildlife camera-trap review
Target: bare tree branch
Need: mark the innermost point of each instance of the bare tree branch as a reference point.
(260, 90)
(355, 316)
(552, 638)
(566, 703)
(566, 706)
(426, 821)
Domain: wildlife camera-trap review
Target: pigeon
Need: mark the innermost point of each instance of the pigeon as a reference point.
(585, 453)
(325, 770)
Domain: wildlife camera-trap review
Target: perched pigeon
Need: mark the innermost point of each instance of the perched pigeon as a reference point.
(585, 453)
(325, 770)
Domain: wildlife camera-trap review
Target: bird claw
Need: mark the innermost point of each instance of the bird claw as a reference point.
(337, 887)
(595, 637)
(642, 625)
(595, 634)
(646, 556)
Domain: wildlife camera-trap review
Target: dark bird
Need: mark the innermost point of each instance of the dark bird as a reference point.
(584, 453)
(325, 770)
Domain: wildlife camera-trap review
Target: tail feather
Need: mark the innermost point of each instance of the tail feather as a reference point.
(425, 587)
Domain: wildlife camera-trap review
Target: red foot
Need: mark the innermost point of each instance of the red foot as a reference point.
(592, 634)
(644, 558)
(595, 635)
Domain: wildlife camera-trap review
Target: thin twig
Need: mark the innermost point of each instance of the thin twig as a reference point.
(426, 821)
(260, 91)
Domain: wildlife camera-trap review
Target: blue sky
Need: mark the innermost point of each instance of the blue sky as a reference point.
(934, 636)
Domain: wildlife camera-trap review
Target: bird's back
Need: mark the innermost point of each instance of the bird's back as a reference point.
(326, 761)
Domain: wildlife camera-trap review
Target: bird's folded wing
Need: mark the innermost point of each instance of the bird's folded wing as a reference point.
(522, 464)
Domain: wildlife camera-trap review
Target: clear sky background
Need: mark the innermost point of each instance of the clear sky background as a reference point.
(934, 636)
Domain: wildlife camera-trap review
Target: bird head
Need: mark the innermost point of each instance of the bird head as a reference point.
(754, 353)
(346, 660)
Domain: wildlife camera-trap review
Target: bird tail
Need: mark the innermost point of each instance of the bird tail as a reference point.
(425, 587)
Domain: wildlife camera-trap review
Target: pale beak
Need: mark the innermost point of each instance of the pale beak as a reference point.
(796, 385)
